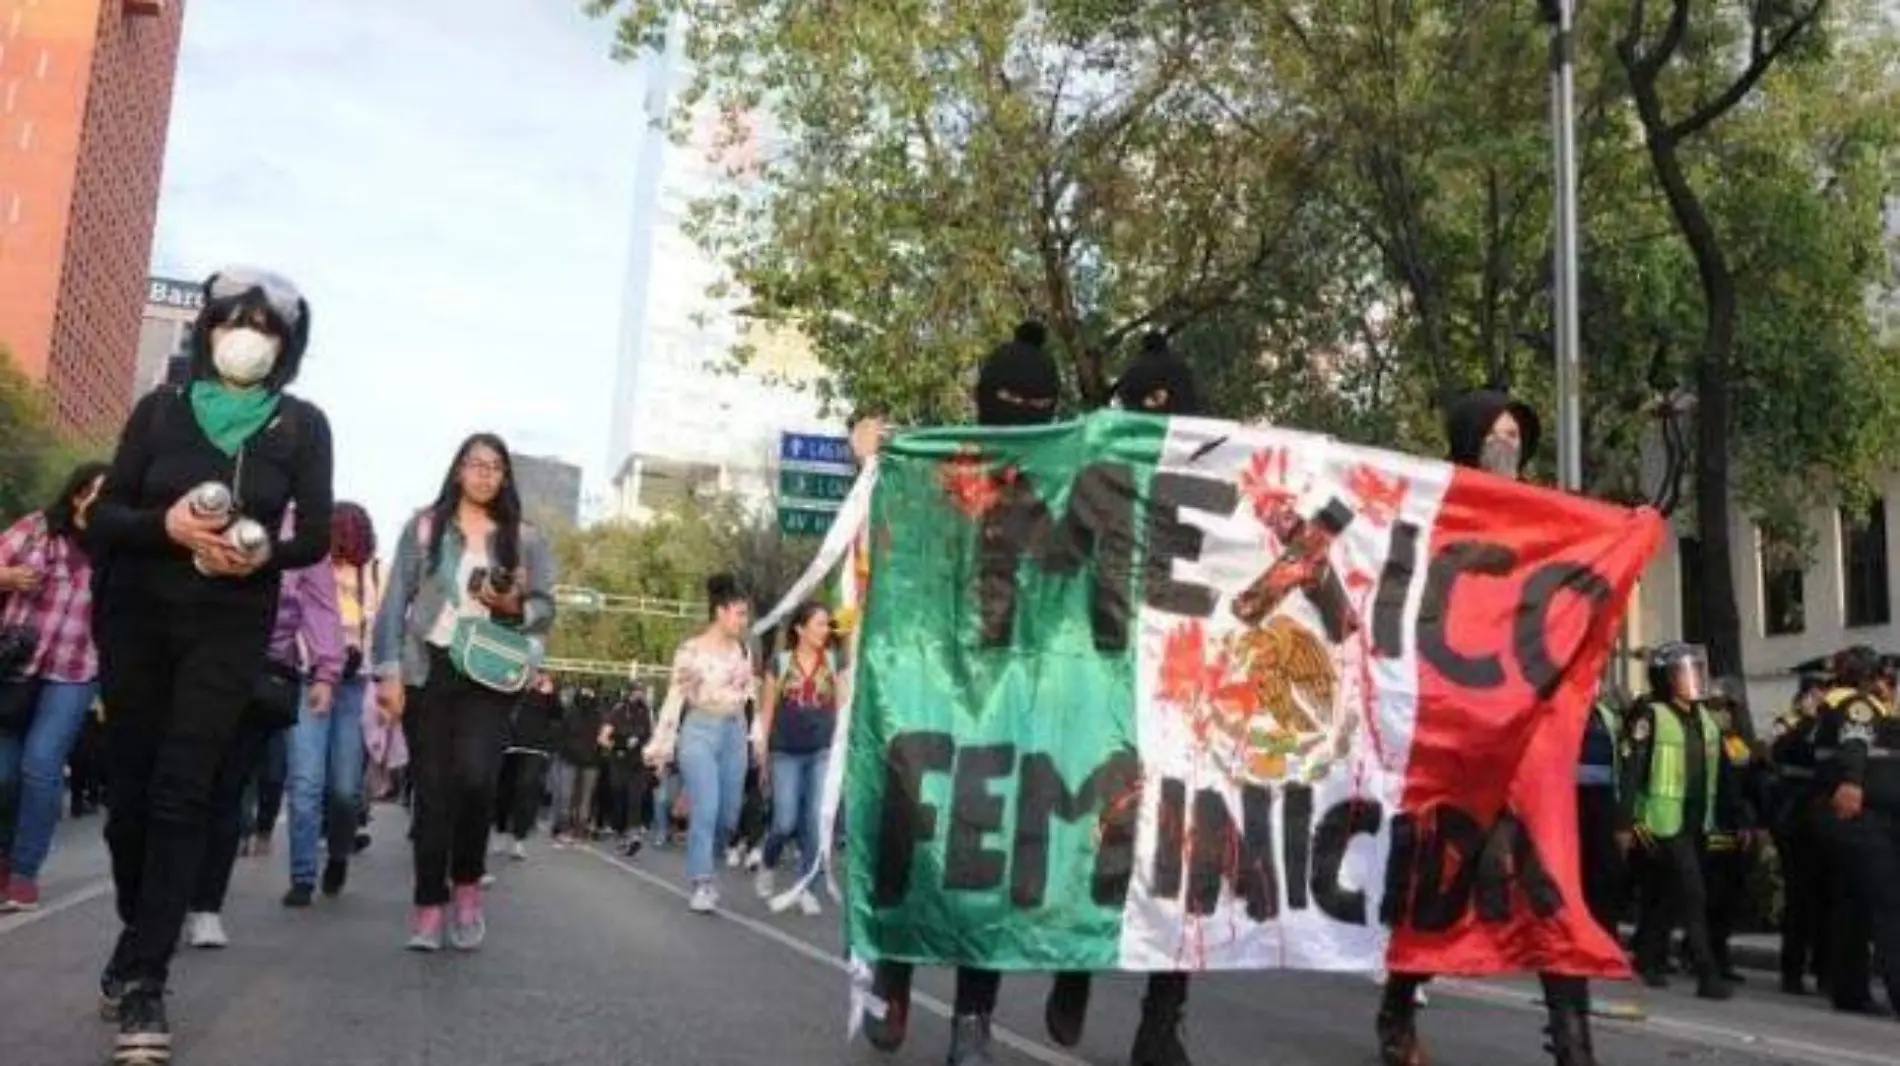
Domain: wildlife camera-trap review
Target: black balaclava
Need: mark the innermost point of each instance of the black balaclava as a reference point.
(1468, 421)
(1158, 382)
(1017, 384)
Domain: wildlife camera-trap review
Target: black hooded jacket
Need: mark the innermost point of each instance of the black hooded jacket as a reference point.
(1468, 421)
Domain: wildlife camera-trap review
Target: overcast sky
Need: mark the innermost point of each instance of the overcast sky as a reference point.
(449, 182)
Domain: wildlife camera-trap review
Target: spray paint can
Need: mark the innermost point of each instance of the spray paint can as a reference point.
(211, 500)
(248, 536)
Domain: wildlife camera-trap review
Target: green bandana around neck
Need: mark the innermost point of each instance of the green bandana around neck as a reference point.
(231, 416)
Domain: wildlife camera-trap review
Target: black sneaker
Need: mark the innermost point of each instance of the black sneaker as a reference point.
(299, 896)
(361, 842)
(335, 872)
(145, 1037)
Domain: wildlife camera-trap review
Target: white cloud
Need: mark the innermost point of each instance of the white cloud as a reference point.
(450, 183)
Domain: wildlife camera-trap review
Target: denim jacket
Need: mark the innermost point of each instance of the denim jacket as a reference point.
(413, 600)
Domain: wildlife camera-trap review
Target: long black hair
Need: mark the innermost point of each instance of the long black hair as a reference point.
(60, 519)
(797, 622)
(505, 509)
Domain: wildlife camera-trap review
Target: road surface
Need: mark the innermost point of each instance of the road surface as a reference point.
(595, 961)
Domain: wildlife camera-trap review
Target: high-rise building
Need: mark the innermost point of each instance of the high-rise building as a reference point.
(550, 489)
(85, 100)
(170, 308)
(682, 423)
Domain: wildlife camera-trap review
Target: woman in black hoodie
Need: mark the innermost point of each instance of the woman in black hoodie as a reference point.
(1488, 430)
(184, 606)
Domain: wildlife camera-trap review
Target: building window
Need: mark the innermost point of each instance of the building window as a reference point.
(1783, 591)
(1689, 582)
(1864, 566)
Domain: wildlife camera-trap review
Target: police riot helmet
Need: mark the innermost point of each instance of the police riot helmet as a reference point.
(1679, 670)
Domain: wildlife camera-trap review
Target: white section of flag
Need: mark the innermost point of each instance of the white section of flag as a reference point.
(1157, 934)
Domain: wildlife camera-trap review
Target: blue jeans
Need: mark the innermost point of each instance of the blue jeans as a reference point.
(326, 780)
(798, 783)
(33, 767)
(712, 758)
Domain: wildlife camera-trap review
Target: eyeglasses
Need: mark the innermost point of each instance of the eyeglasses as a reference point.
(283, 297)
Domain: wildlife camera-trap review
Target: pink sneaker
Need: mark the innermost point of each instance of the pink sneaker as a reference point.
(467, 927)
(425, 927)
(23, 894)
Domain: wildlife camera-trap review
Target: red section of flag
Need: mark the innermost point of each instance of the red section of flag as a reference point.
(1486, 742)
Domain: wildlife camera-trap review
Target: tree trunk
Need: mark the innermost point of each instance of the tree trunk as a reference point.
(1721, 620)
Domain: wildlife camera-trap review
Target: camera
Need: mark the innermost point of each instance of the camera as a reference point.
(499, 582)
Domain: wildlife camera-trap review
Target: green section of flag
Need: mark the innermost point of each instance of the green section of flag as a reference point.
(976, 714)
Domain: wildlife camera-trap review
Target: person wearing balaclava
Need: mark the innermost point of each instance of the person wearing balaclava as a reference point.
(1017, 385)
(1488, 430)
(183, 613)
(1157, 382)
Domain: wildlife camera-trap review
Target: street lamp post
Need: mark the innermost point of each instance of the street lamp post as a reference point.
(1561, 16)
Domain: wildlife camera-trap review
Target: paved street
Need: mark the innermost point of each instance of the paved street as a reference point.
(596, 962)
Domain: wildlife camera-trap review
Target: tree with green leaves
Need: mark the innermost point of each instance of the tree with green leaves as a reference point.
(941, 171)
(34, 456)
(1771, 129)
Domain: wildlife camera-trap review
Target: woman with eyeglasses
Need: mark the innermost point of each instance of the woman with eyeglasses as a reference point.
(185, 597)
(455, 645)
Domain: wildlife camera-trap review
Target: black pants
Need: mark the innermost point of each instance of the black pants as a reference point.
(1673, 895)
(1806, 879)
(1725, 874)
(456, 763)
(225, 829)
(625, 781)
(175, 679)
(1865, 905)
(524, 776)
(976, 989)
(261, 800)
(87, 767)
(1605, 877)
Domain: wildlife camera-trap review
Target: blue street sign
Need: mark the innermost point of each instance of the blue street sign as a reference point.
(813, 448)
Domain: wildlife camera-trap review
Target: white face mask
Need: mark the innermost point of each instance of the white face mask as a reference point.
(1500, 457)
(245, 356)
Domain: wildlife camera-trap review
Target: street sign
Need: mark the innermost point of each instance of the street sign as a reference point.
(798, 488)
(815, 450)
(799, 522)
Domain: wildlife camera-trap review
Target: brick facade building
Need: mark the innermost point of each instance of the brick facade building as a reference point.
(85, 101)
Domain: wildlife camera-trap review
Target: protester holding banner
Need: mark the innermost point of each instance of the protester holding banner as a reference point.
(1672, 764)
(1486, 429)
(1157, 382)
(703, 722)
(1017, 385)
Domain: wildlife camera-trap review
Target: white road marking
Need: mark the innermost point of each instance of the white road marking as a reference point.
(1008, 1038)
(13, 923)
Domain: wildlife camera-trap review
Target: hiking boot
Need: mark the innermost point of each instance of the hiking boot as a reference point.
(970, 1041)
(887, 1033)
(468, 927)
(335, 873)
(1398, 1037)
(1569, 1033)
(300, 895)
(425, 929)
(145, 1037)
(1158, 1039)
(1066, 1009)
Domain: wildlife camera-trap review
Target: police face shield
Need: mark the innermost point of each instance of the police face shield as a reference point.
(1689, 676)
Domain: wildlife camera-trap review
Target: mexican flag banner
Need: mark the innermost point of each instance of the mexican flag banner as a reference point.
(1154, 694)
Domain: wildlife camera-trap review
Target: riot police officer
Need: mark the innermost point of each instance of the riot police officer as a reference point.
(1599, 819)
(1795, 805)
(1857, 753)
(1671, 756)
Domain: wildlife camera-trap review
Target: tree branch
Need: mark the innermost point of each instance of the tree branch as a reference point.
(1760, 59)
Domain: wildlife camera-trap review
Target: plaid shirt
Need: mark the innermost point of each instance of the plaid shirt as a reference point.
(60, 610)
